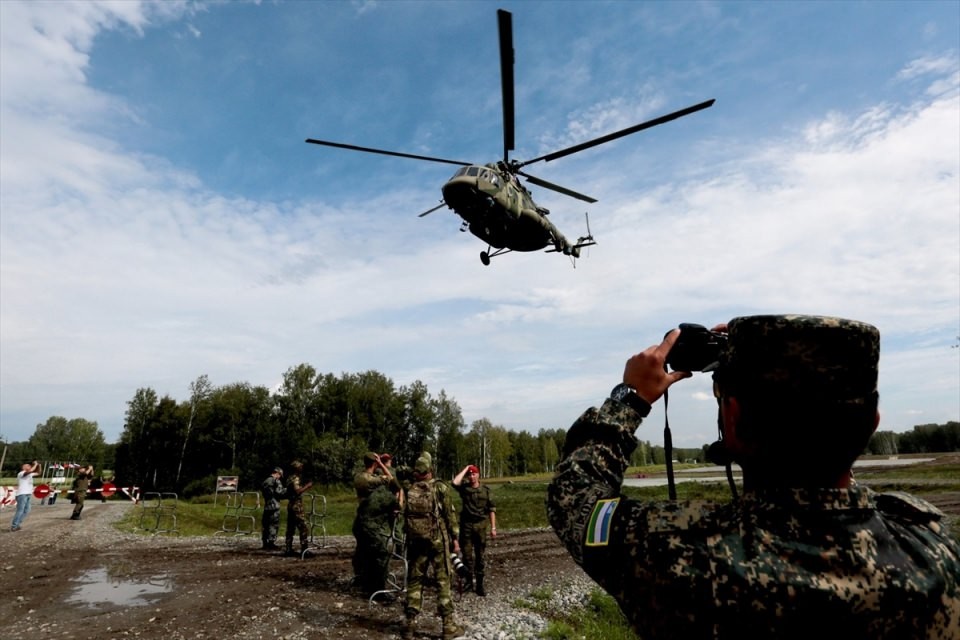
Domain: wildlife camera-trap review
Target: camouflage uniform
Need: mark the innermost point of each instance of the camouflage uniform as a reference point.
(273, 491)
(422, 554)
(778, 563)
(296, 520)
(80, 485)
(372, 528)
(476, 506)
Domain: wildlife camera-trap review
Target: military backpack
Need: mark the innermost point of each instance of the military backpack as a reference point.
(422, 511)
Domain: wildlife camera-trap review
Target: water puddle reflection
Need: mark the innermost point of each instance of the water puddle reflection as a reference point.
(98, 589)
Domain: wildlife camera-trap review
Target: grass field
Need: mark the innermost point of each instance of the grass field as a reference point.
(521, 505)
(521, 501)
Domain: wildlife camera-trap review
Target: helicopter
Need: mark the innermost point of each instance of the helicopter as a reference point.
(489, 198)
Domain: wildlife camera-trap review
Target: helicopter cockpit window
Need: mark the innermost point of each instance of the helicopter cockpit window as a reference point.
(473, 171)
(460, 172)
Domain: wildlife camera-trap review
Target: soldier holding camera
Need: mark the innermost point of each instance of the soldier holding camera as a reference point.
(797, 403)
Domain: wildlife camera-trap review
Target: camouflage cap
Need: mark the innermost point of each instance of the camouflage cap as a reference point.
(422, 465)
(278, 470)
(816, 356)
(369, 457)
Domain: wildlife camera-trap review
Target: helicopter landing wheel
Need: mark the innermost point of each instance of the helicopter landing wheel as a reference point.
(485, 258)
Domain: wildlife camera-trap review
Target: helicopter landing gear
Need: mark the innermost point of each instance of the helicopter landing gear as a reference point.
(485, 256)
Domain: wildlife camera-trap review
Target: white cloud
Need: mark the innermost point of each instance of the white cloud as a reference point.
(121, 270)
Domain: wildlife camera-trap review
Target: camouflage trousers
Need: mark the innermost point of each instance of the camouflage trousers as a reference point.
(79, 497)
(372, 556)
(420, 556)
(473, 545)
(271, 526)
(296, 521)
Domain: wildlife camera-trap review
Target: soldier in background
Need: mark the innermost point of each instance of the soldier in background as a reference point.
(372, 525)
(272, 490)
(296, 521)
(431, 531)
(80, 485)
(478, 519)
(805, 551)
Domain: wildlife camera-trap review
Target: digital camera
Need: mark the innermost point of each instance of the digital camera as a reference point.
(459, 567)
(696, 349)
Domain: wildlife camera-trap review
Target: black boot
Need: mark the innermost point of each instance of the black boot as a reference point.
(480, 590)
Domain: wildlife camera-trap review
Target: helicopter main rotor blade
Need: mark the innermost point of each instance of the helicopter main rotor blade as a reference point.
(384, 152)
(505, 25)
(555, 187)
(621, 133)
(432, 210)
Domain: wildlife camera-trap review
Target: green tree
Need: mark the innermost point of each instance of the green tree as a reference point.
(551, 444)
(298, 409)
(76, 440)
(451, 454)
(199, 391)
(241, 433)
(525, 453)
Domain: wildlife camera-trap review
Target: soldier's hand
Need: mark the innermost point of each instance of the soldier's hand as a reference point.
(645, 372)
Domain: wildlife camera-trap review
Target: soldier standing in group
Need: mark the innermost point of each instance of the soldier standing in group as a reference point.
(273, 491)
(80, 485)
(430, 526)
(372, 526)
(296, 521)
(478, 516)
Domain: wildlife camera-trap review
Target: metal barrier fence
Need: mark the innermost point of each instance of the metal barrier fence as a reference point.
(240, 517)
(396, 583)
(315, 513)
(158, 513)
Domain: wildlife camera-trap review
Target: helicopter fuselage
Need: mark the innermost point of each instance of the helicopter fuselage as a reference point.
(499, 210)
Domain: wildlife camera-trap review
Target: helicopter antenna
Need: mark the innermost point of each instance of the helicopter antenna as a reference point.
(431, 210)
(505, 25)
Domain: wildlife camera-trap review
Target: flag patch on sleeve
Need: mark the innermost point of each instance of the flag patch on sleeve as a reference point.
(598, 530)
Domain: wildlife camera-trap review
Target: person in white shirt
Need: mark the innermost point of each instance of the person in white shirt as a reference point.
(24, 492)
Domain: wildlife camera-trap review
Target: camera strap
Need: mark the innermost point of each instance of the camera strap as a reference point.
(668, 447)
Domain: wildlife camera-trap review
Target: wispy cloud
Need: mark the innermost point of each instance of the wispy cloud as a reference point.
(121, 269)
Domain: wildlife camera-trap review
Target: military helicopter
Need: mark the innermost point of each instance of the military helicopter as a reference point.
(494, 205)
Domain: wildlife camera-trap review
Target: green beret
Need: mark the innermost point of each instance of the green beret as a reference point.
(818, 357)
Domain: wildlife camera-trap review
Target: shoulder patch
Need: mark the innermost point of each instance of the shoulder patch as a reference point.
(598, 530)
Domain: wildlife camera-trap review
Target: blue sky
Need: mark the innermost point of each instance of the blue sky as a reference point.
(161, 217)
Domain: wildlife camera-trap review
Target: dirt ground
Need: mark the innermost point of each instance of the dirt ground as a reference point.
(64, 578)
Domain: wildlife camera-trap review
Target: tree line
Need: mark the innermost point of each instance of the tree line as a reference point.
(923, 438)
(329, 422)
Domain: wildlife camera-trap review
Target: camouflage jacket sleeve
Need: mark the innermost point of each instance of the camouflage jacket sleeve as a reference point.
(448, 512)
(595, 456)
(365, 483)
